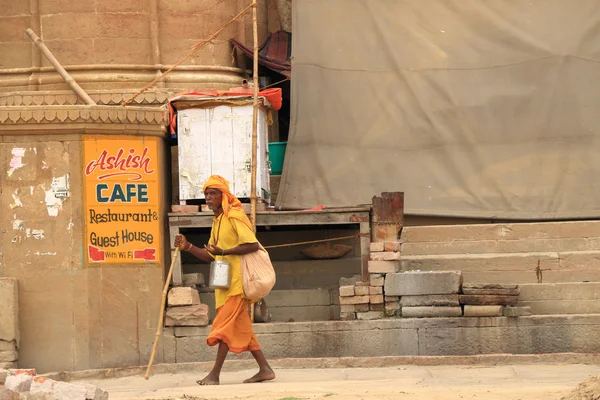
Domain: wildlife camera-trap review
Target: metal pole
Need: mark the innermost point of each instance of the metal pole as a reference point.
(61, 71)
(254, 119)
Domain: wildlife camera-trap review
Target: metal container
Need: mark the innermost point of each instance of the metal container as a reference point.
(220, 274)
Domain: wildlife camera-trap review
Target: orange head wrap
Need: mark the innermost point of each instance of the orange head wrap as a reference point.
(232, 207)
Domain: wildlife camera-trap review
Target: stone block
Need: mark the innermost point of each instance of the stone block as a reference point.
(196, 315)
(392, 298)
(18, 383)
(189, 331)
(347, 316)
(347, 308)
(376, 299)
(95, 393)
(354, 300)
(392, 305)
(370, 315)
(375, 290)
(362, 283)
(376, 307)
(361, 290)
(7, 346)
(183, 296)
(483, 311)
(377, 280)
(490, 289)
(361, 307)
(376, 247)
(392, 246)
(383, 267)
(9, 309)
(303, 313)
(62, 390)
(7, 394)
(423, 282)
(346, 291)
(349, 281)
(517, 311)
(196, 278)
(9, 356)
(485, 300)
(299, 297)
(384, 256)
(427, 312)
(430, 300)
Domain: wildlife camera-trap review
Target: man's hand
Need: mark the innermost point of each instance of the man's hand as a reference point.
(214, 250)
(181, 242)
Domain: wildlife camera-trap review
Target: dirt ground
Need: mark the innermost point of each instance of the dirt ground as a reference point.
(507, 382)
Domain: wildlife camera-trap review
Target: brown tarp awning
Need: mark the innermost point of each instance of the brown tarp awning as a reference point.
(274, 53)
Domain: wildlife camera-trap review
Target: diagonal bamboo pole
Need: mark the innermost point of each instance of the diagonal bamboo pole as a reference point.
(254, 129)
(161, 316)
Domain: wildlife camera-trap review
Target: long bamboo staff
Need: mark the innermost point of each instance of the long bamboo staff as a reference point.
(254, 129)
(61, 71)
(161, 316)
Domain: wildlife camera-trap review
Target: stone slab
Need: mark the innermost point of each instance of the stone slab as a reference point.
(302, 313)
(370, 315)
(427, 312)
(430, 300)
(383, 267)
(299, 297)
(517, 311)
(9, 309)
(422, 283)
(560, 291)
(183, 296)
(354, 300)
(491, 286)
(482, 300)
(196, 278)
(483, 311)
(562, 306)
(196, 315)
(361, 290)
(346, 291)
(492, 292)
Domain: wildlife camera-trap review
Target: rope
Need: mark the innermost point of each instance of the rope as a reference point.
(316, 241)
(276, 83)
(188, 55)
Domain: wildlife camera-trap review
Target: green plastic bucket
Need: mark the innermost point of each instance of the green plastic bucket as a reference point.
(276, 156)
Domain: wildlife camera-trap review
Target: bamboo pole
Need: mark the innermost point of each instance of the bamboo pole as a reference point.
(61, 71)
(254, 128)
(161, 315)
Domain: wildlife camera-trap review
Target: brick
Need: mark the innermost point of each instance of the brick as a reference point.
(378, 281)
(376, 247)
(361, 290)
(362, 283)
(517, 311)
(347, 308)
(423, 282)
(484, 300)
(430, 300)
(346, 291)
(354, 300)
(183, 296)
(61, 390)
(375, 290)
(376, 307)
(392, 298)
(391, 313)
(193, 279)
(18, 383)
(392, 246)
(361, 307)
(7, 394)
(383, 267)
(385, 256)
(9, 356)
(196, 315)
(484, 311)
(349, 316)
(392, 305)
(371, 315)
(376, 299)
(427, 312)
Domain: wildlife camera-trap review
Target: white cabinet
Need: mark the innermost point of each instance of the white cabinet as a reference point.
(218, 141)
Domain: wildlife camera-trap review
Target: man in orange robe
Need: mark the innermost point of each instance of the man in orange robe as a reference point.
(231, 237)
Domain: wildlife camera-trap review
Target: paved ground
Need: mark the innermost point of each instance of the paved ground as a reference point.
(507, 382)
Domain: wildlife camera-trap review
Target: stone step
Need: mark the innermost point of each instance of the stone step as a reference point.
(512, 231)
(501, 246)
(574, 266)
(561, 298)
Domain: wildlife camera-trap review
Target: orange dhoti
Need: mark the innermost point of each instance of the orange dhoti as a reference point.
(233, 327)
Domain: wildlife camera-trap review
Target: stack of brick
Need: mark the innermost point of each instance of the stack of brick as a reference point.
(9, 322)
(385, 259)
(426, 293)
(25, 384)
(492, 300)
(356, 301)
(184, 308)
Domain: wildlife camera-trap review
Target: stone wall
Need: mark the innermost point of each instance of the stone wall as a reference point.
(9, 322)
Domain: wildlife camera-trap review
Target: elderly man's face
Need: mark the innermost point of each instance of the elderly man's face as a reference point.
(214, 199)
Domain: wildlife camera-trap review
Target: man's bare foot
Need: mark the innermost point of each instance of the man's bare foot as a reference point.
(208, 381)
(262, 376)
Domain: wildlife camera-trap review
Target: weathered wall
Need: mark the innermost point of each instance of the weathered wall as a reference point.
(9, 322)
(73, 316)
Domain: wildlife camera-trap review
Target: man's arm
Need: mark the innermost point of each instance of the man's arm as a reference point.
(184, 245)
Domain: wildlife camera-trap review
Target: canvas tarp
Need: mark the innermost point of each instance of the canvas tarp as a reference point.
(472, 108)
